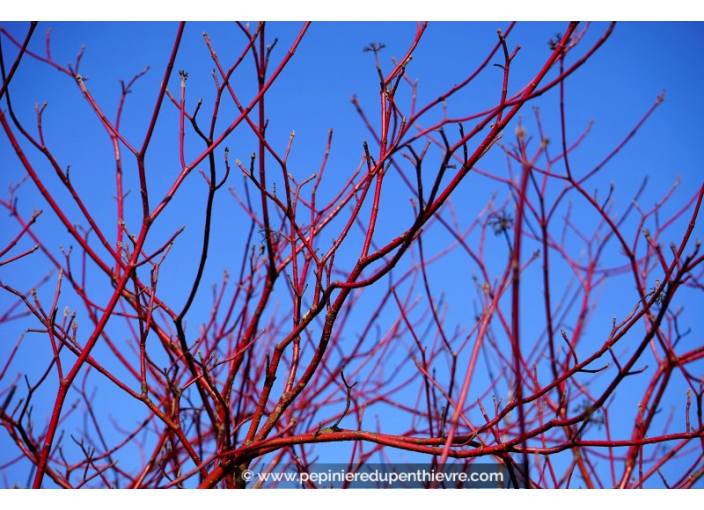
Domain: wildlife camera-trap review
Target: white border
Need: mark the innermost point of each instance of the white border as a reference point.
(359, 10)
(337, 500)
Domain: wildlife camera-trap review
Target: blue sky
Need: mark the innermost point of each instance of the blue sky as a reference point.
(614, 89)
